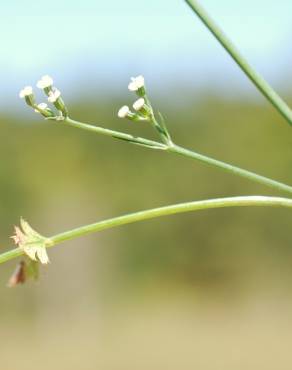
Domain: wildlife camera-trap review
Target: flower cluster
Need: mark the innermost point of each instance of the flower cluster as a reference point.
(32, 243)
(142, 108)
(53, 95)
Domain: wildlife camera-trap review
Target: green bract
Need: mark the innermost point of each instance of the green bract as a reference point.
(31, 242)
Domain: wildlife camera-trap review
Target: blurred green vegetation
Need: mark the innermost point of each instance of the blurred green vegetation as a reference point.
(58, 178)
(161, 293)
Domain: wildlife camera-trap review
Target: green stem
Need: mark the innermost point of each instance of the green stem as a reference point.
(243, 201)
(232, 169)
(185, 152)
(13, 253)
(161, 131)
(115, 134)
(255, 77)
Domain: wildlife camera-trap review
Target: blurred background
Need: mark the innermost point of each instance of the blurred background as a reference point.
(209, 290)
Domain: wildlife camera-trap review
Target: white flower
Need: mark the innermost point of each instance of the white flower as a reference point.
(41, 106)
(26, 91)
(123, 112)
(54, 95)
(45, 81)
(139, 104)
(136, 83)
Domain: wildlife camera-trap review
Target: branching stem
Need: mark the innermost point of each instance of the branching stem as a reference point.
(185, 152)
(168, 146)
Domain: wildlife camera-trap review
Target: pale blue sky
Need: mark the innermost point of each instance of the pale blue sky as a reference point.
(101, 44)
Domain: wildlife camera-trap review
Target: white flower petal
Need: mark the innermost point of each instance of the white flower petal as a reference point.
(136, 83)
(139, 81)
(132, 86)
(139, 104)
(123, 112)
(45, 81)
(41, 106)
(26, 91)
(54, 95)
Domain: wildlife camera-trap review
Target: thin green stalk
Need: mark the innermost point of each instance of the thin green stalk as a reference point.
(243, 201)
(9, 255)
(231, 169)
(185, 152)
(115, 134)
(254, 76)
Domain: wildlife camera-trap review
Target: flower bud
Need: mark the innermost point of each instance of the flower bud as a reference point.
(46, 84)
(55, 98)
(125, 112)
(43, 109)
(137, 85)
(27, 94)
(142, 108)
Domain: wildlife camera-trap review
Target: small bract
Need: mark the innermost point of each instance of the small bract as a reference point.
(32, 243)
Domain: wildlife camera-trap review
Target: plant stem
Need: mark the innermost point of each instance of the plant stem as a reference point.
(115, 134)
(9, 255)
(230, 168)
(242, 201)
(185, 152)
(254, 76)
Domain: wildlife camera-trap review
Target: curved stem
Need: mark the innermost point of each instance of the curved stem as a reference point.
(280, 105)
(158, 212)
(182, 151)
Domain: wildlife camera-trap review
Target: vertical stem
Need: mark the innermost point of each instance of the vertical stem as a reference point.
(254, 76)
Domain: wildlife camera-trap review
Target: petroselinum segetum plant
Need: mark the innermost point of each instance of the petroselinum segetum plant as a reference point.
(33, 246)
